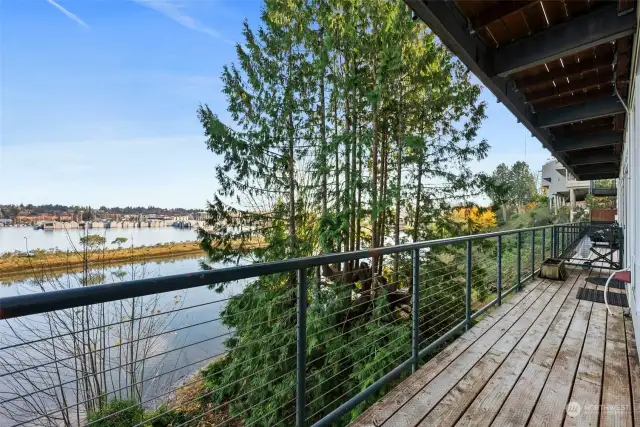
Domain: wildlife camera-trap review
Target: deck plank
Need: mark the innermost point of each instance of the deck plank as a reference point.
(487, 404)
(523, 336)
(616, 393)
(634, 369)
(394, 400)
(588, 385)
(522, 363)
(421, 403)
(521, 401)
(550, 409)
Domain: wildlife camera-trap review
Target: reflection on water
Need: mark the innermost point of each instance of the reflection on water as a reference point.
(187, 333)
(17, 238)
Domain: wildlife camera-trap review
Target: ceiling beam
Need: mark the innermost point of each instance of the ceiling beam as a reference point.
(569, 70)
(594, 176)
(452, 30)
(603, 139)
(601, 168)
(572, 86)
(601, 26)
(593, 159)
(602, 107)
(497, 12)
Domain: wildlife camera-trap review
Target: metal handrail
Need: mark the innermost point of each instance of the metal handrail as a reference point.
(23, 305)
(562, 237)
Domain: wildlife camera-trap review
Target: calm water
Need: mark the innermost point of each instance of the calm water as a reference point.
(13, 238)
(184, 348)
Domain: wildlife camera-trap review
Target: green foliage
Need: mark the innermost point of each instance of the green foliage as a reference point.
(514, 186)
(117, 413)
(345, 113)
(92, 241)
(119, 241)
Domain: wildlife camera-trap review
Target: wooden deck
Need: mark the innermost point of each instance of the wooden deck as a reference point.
(526, 363)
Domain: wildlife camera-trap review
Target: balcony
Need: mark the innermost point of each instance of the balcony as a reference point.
(573, 182)
(604, 188)
(498, 341)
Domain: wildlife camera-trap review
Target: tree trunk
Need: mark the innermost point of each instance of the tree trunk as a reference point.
(416, 220)
(323, 141)
(354, 153)
(359, 202)
(383, 197)
(374, 192)
(347, 175)
(292, 183)
(337, 167)
(396, 258)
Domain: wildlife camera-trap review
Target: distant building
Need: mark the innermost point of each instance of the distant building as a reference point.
(201, 216)
(561, 187)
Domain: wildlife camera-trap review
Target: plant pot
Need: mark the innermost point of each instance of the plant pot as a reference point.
(554, 269)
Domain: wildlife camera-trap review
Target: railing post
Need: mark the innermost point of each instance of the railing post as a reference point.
(415, 333)
(533, 253)
(301, 361)
(554, 242)
(518, 260)
(544, 243)
(499, 271)
(563, 247)
(468, 293)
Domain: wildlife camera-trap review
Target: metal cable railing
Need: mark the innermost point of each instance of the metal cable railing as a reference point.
(279, 344)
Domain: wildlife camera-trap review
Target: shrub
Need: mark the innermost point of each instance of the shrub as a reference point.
(119, 412)
(541, 216)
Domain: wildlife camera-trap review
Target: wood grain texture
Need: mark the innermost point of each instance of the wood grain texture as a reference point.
(550, 409)
(451, 407)
(616, 393)
(520, 403)
(422, 403)
(487, 404)
(588, 385)
(387, 406)
(522, 363)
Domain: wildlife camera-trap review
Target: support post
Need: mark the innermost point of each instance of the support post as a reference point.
(499, 271)
(415, 333)
(518, 260)
(533, 253)
(543, 242)
(301, 360)
(468, 293)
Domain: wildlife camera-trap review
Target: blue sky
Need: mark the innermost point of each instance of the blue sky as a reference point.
(99, 100)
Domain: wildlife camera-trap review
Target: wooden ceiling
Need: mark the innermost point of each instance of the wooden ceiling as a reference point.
(555, 64)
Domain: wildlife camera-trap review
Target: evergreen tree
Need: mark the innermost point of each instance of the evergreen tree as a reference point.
(349, 119)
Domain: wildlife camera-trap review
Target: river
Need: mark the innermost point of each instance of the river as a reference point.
(188, 333)
(18, 238)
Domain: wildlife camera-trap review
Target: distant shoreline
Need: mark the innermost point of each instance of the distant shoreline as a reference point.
(62, 261)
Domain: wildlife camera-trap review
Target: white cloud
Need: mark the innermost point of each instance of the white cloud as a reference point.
(68, 14)
(174, 11)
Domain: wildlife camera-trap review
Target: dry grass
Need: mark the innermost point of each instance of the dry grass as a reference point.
(187, 402)
(12, 267)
